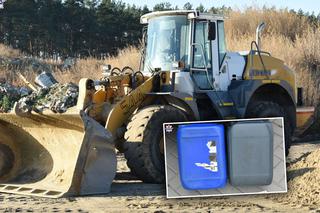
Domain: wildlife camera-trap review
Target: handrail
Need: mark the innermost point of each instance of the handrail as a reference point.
(204, 62)
(263, 52)
(259, 53)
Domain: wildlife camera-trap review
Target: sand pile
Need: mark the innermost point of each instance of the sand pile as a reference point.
(303, 181)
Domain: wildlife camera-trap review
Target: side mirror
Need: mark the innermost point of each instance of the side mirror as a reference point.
(211, 31)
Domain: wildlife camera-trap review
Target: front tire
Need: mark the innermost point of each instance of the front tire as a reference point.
(143, 148)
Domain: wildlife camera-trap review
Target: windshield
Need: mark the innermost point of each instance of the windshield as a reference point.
(167, 41)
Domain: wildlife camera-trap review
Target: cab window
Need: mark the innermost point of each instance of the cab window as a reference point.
(221, 41)
(202, 53)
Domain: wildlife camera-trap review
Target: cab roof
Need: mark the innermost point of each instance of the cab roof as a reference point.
(191, 14)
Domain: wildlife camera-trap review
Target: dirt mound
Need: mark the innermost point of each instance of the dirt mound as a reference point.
(303, 181)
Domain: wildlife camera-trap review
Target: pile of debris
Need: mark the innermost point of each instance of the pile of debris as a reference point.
(9, 95)
(58, 98)
(49, 94)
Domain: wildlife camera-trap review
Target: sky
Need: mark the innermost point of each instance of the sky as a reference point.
(306, 5)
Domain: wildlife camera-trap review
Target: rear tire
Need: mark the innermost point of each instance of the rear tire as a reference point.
(142, 148)
(6, 159)
(265, 109)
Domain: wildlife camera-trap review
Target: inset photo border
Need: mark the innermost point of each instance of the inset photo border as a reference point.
(174, 187)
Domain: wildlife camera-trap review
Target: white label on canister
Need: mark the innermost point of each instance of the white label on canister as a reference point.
(213, 166)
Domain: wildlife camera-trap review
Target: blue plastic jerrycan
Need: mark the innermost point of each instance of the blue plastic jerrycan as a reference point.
(202, 156)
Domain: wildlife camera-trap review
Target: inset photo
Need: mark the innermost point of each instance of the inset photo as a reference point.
(225, 157)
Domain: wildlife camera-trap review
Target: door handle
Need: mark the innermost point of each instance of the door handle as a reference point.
(223, 70)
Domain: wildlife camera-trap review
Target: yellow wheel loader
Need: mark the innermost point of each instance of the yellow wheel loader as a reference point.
(186, 74)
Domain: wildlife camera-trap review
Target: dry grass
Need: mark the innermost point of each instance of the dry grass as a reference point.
(279, 22)
(6, 51)
(306, 61)
(287, 36)
(92, 68)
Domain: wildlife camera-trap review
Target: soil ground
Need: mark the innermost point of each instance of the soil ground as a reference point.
(130, 195)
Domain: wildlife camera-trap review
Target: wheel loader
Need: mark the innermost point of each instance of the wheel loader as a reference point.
(186, 74)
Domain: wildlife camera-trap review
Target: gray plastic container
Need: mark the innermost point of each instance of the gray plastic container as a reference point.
(250, 153)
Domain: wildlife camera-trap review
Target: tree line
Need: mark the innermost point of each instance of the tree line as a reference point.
(76, 28)
(69, 28)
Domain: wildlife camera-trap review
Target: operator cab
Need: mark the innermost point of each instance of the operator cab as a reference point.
(192, 45)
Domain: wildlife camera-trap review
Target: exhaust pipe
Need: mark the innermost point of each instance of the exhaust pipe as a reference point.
(259, 30)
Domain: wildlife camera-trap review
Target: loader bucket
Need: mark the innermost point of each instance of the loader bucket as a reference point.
(55, 155)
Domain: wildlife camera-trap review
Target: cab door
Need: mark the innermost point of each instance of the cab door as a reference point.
(222, 78)
(204, 63)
